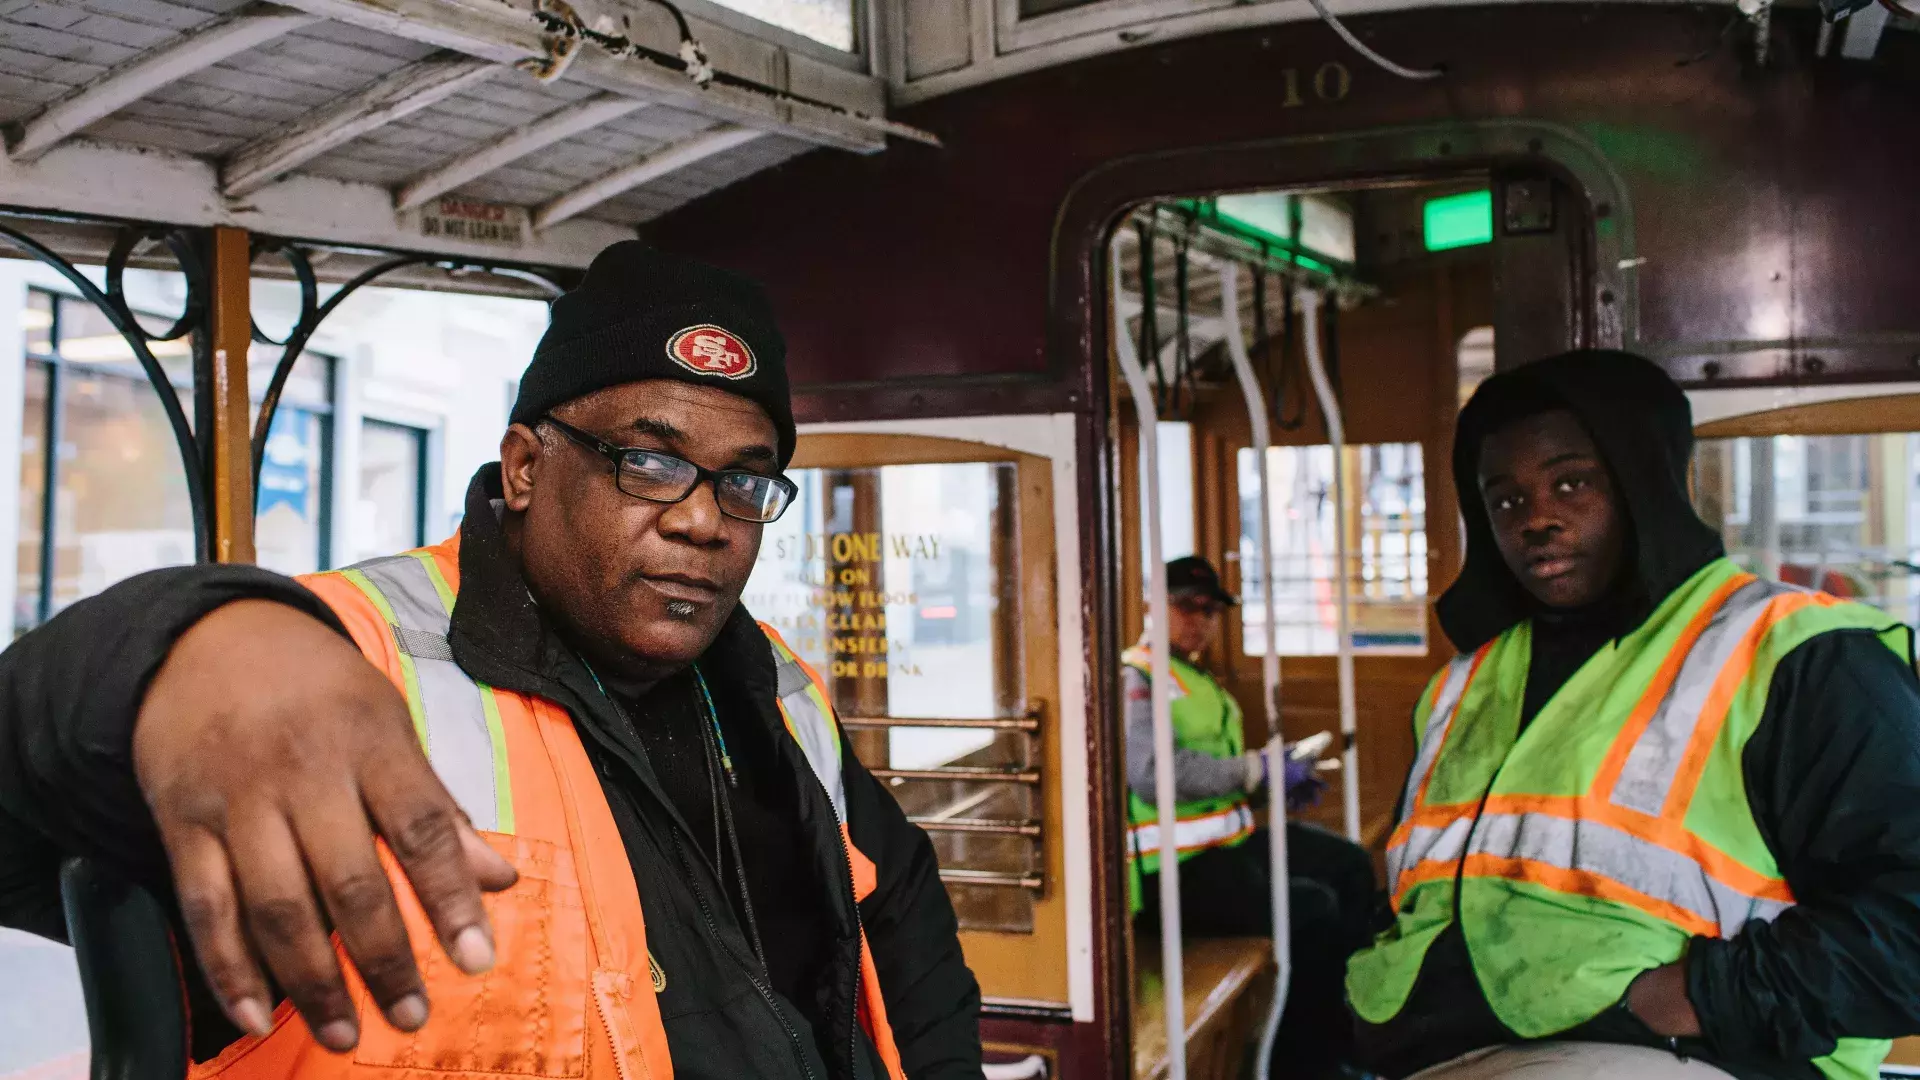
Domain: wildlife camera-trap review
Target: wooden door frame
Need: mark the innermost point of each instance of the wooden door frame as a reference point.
(1079, 341)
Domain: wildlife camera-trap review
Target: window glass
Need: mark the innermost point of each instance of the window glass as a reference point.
(33, 490)
(85, 336)
(291, 499)
(1387, 531)
(1840, 513)
(392, 468)
(829, 22)
(290, 509)
(889, 580)
(1474, 361)
(121, 505)
(118, 493)
(309, 384)
(899, 584)
(1175, 450)
(37, 322)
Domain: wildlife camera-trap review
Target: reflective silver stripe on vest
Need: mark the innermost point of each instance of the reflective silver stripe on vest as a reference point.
(1645, 867)
(1427, 844)
(812, 730)
(1446, 703)
(1195, 833)
(1647, 779)
(457, 741)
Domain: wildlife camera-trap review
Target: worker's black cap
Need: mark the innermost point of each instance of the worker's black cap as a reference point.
(1195, 576)
(642, 313)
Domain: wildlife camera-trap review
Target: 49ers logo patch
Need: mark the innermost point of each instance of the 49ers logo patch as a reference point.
(708, 350)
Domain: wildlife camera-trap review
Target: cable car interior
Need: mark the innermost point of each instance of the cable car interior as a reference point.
(1071, 288)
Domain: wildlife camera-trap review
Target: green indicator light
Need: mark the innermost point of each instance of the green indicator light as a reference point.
(1457, 221)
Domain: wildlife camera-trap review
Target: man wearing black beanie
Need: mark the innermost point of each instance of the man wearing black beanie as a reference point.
(563, 706)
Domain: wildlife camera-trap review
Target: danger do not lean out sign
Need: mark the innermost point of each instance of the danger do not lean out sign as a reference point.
(453, 218)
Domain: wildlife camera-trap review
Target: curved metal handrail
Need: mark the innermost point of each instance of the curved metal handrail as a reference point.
(1171, 972)
(1343, 572)
(1269, 674)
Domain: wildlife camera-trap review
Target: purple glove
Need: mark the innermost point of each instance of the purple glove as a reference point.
(1303, 784)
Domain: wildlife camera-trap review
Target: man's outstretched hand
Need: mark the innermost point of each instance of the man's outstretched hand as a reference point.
(272, 754)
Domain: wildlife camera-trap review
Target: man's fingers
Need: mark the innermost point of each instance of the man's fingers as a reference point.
(350, 881)
(423, 827)
(204, 883)
(277, 899)
(490, 868)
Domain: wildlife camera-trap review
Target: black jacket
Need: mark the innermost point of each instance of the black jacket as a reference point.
(69, 692)
(1832, 772)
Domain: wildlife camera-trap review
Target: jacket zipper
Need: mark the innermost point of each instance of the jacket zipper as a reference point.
(706, 912)
(859, 927)
(765, 991)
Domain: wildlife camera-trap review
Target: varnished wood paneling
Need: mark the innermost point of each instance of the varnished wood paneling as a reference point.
(231, 449)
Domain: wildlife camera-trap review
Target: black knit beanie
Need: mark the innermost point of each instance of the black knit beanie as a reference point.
(642, 313)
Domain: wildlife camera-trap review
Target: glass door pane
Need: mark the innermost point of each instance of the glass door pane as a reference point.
(900, 584)
(392, 492)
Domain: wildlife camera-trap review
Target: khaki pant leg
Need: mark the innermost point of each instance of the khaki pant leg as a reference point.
(1570, 1061)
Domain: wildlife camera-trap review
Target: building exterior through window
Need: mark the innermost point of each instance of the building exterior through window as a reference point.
(1386, 526)
(1839, 513)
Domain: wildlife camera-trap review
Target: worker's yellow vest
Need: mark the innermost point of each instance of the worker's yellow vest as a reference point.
(1206, 720)
(1592, 846)
(573, 992)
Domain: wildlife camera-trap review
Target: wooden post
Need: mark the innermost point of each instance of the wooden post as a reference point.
(231, 430)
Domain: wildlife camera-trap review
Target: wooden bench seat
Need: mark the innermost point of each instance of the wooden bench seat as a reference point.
(1228, 987)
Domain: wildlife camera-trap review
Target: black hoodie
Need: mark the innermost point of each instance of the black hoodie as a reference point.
(1832, 772)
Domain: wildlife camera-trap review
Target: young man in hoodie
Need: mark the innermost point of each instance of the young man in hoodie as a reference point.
(1664, 817)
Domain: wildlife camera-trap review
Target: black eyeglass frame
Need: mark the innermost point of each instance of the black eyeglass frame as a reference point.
(617, 456)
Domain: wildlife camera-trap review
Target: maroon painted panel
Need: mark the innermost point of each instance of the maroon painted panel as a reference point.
(1768, 203)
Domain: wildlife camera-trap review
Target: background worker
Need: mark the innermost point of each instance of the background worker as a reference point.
(1664, 818)
(565, 705)
(1226, 871)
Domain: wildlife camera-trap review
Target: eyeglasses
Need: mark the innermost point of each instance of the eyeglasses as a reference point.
(663, 478)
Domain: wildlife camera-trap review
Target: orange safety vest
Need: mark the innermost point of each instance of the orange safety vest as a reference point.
(572, 991)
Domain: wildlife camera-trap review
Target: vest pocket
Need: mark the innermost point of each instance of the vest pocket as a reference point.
(526, 1017)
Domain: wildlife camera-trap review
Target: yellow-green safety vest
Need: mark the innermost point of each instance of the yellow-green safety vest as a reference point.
(1206, 720)
(1593, 845)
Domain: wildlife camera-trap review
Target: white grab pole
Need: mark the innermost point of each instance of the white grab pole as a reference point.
(1343, 571)
(1171, 972)
(1269, 670)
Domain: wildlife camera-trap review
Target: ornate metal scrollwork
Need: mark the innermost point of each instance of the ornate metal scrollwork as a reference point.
(313, 313)
(194, 320)
(112, 303)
